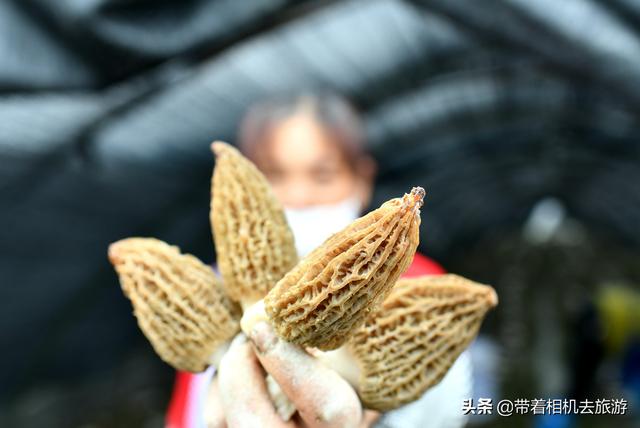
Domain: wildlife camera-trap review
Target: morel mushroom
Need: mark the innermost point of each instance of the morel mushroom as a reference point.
(254, 244)
(410, 343)
(177, 300)
(329, 294)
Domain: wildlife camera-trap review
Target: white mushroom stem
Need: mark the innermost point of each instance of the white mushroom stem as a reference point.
(342, 361)
(217, 355)
(245, 304)
(252, 315)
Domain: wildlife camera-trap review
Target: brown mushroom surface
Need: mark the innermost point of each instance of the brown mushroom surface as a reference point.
(177, 300)
(410, 343)
(254, 244)
(330, 293)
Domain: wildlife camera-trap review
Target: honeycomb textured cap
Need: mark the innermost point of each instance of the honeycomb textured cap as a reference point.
(254, 244)
(410, 343)
(178, 301)
(321, 301)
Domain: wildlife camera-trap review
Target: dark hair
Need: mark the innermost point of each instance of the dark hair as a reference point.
(332, 112)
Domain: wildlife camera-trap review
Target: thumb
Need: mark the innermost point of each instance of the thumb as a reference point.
(323, 398)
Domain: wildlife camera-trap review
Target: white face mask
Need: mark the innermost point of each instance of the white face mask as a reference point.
(311, 226)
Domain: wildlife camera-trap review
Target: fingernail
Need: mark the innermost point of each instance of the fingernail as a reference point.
(263, 337)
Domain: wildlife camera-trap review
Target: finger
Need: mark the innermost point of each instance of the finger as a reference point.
(243, 394)
(322, 397)
(213, 411)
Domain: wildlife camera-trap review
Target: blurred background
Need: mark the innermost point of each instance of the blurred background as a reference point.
(521, 118)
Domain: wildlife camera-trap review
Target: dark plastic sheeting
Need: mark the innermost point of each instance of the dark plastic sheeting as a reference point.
(107, 109)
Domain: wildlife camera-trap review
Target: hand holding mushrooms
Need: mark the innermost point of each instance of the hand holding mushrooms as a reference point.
(336, 331)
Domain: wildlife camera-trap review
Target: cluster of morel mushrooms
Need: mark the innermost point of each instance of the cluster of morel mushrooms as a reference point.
(391, 338)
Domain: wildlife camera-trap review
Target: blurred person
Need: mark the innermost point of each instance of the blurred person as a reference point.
(311, 148)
